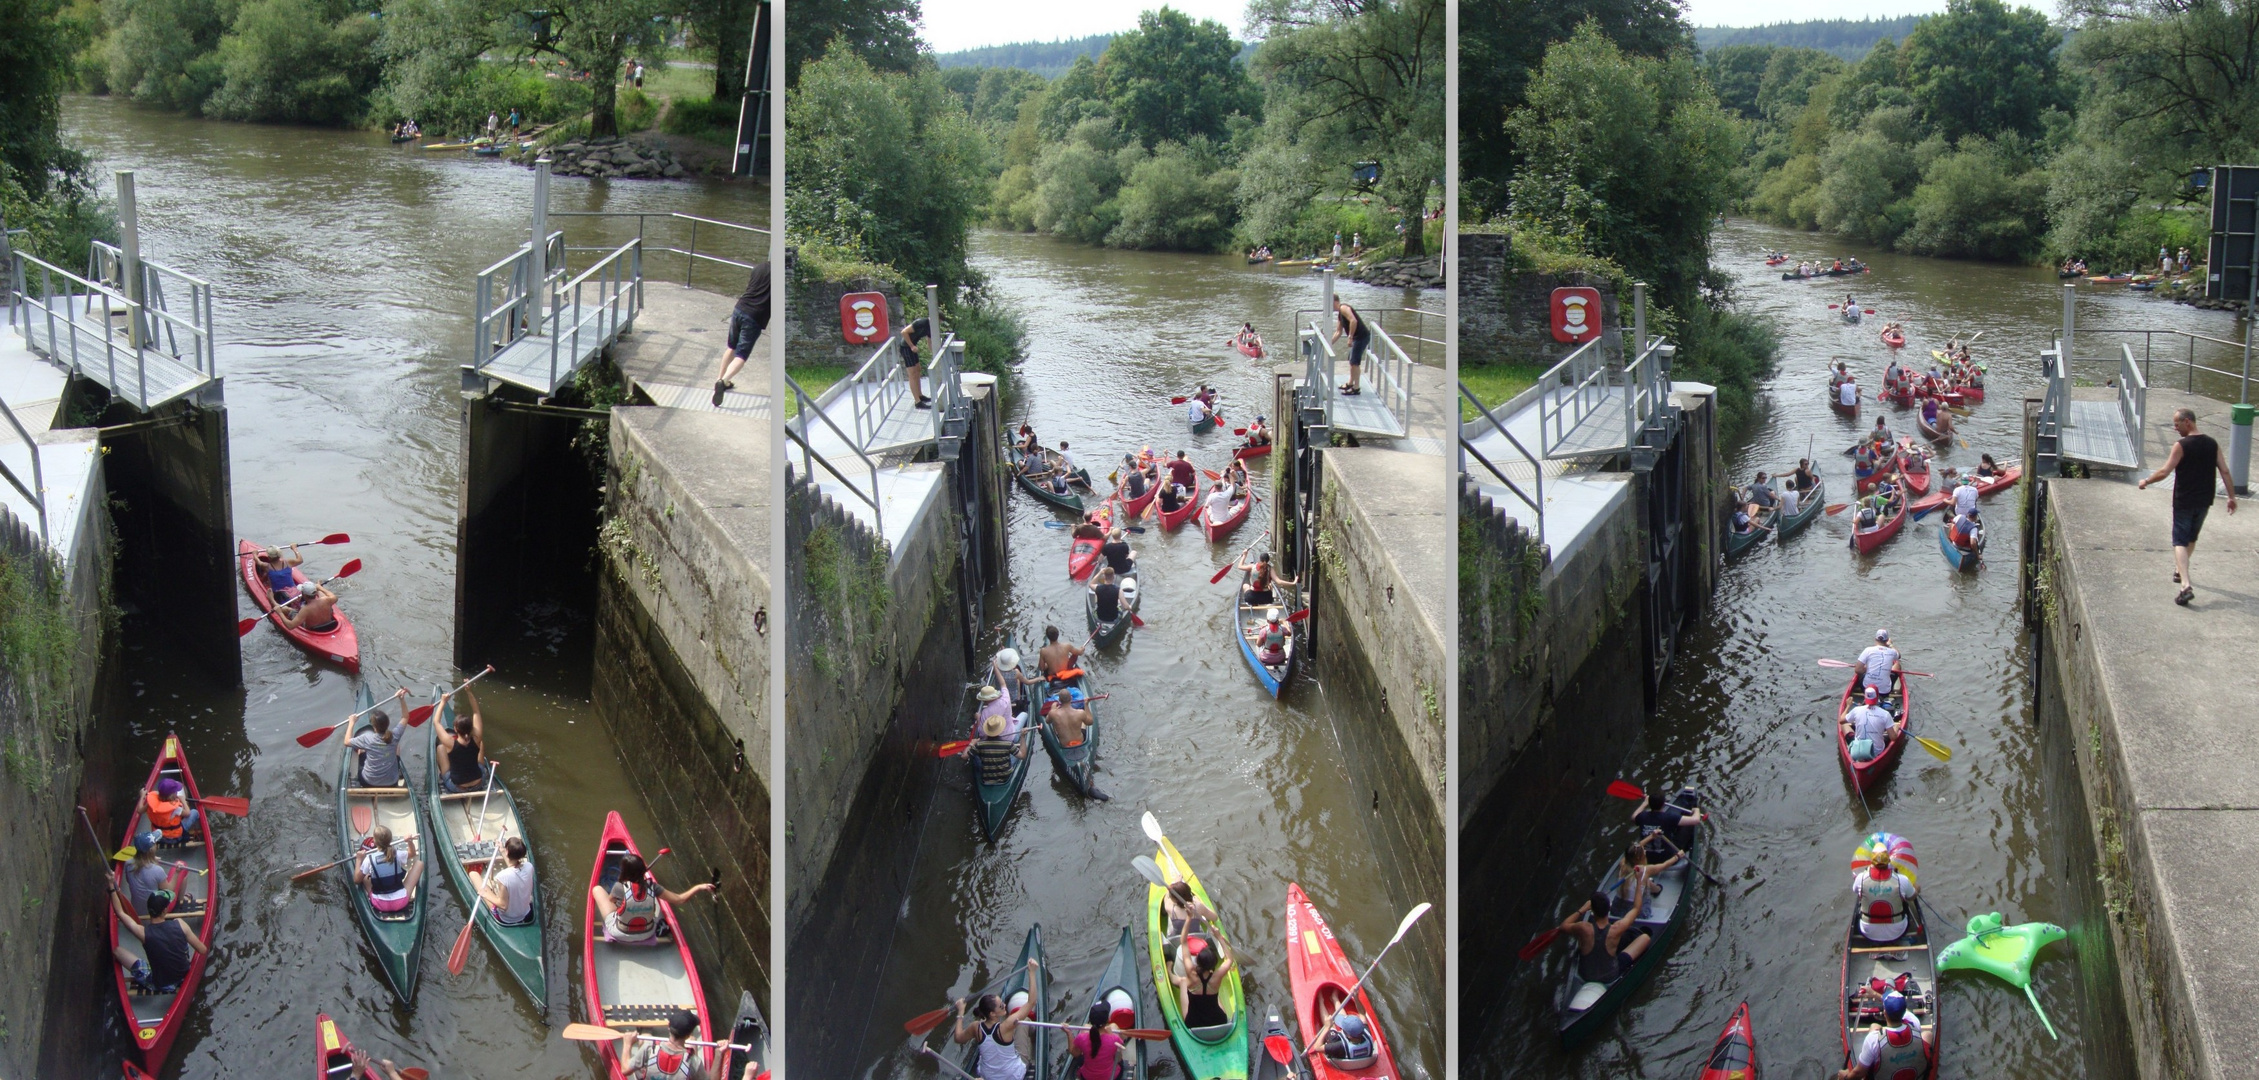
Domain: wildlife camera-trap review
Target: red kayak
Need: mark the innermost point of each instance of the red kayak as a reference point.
(1252, 351)
(1320, 977)
(1217, 530)
(1868, 775)
(1985, 486)
(1776, 261)
(1895, 341)
(156, 1019)
(1865, 542)
(1245, 452)
(333, 1052)
(1734, 1056)
(340, 644)
(635, 984)
(1082, 555)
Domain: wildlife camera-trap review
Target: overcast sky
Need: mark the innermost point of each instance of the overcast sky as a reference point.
(1761, 12)
(951, 25)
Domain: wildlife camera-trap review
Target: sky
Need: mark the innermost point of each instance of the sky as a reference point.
(951, 25)
(1761, 12)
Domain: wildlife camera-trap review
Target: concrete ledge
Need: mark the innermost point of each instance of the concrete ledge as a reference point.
(1381, 538)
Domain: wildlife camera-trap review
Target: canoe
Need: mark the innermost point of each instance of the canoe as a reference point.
(1133, 509)
(1807, 507)
(1074, 764)
(1582, 1007)
(1868, 775)
(1734, 1055)
(1171, 519)
(1251, 351)
(1776, 261)
(1738, 542)
(157, 1018)
(396, 937)
(1956, 556)
(1914, 462)
(1274, 677)
(1216, 1052)
(1205, 424)
(1910, 956)
(455, 821)
(2110, 279)
(341, 645)
(751, 1032)
(1014, 984)
(1110, 633)
(1118, 989)
(1851, 315)
(1972, 395)
(1930, 433)
(1082, 552)
(1903, 397)
(1835, 401)
(1245, 452)
(1985, 487)
(1320, 978)
(333, 1052)
(639, 986)
(1895, 341)
(1271, 1068)
(1865, 542)
(1069, 501)
(1217, 530)
(995, 800)
(133, 1072)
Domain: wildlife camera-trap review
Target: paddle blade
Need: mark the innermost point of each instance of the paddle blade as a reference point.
(363, 818)
(123, 855)
(1176, 401)
(923, 1023)
(334, 538)
(226, 804)
(243, 626)
(1836, 508)
(1211, 474)
(1410, 917)
(1298, 616)
(419, 714)
(1537, 944)
(952, 748)
(1152, 827)
(315, 737)
(1826, 662)
(461, 953)
(1623, 789)
(594, 1033)
(1147, 1034)
(1149, 870)
(304, 874)
(1280, 1050)
(1220, 572)
(1937, 749)
(347, 570)
(1136, 622)
(414, 1073)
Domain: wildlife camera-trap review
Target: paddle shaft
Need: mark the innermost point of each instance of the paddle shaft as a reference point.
(1347, 998)
(396, 844)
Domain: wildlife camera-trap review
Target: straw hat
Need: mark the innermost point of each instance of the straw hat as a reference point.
(993, 727)
(989, 693)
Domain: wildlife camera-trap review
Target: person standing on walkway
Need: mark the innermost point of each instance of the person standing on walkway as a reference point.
(2194, 461)
(906, 346)
(1348, 323)
(746, 321)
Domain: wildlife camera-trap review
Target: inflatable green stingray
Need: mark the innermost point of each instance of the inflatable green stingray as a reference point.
(2006, 952)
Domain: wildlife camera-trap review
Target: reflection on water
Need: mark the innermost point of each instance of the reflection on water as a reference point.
(1255, 793)
(342, 269)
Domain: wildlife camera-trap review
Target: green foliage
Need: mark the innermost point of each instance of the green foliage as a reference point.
(1736, 73)
(1728, 349)
(697, 116)
(44, 187)
(298, 61)
(1982, 200)
(636, 111)
(1173, 80)
(995, 336)
(1847, 39)
(59, 224)
(1981, 69)
(1043, 59)
(883, 32)
(165, 52)
(719, 33)
(1178, 199)
(459, 104)
(1074, 184)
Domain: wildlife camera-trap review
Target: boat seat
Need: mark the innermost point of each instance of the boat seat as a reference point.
(405, 914)
(1587, 996)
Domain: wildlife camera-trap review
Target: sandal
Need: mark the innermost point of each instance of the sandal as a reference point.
(2188, 593)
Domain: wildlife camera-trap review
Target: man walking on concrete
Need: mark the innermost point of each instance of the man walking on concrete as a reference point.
(2194, 461)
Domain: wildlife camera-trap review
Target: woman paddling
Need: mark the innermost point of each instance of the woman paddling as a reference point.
(996, 1026)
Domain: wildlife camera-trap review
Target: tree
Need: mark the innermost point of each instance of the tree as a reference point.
(1981, 69)
(1172, 80)
(301, 61)
(1737, 72)
(34, 64)
(883, 32)
(1359, 80)
(724, 29)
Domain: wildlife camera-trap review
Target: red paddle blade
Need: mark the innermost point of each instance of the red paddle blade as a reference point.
(1176, 401)
(1136, 622)
(419, 714)
(1220, 572)
(1299, 615)
(363, 818)
(414, 1073)
(923, 1023)
(244, 626)
(1239, 431)
(461, 953)
(314, 738)
(952, 749)
(1537, 944)
(1280, 1050)
(347, 570)
(335, 538)
(226, 804)
(1624, 790)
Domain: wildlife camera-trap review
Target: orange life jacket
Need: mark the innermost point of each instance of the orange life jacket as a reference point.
(165, 816)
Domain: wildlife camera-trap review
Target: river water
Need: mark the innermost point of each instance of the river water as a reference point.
(1255, 793)
(342, 269)
(1747, 715)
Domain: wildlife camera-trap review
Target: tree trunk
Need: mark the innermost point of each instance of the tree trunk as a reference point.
(1415, 206)
(733, 35)
(604, 90)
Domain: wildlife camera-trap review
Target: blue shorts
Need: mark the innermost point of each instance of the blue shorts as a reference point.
(743, 332)
(2187, 523)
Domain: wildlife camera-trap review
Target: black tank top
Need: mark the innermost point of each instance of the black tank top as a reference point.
(2196, 479)
(462, 761)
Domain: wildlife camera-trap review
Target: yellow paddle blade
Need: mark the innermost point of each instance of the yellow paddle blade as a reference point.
(594, 1033)
(1938, 749)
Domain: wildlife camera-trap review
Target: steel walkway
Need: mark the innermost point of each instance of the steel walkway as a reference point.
(87, 326)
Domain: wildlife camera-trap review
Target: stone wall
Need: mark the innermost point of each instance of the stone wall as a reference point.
(811, 325)
(1505, 314)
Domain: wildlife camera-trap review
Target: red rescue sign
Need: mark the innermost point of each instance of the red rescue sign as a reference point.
(1576, 313)
(862, 318)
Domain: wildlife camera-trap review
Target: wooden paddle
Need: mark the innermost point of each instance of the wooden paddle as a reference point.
(226, 804)
(421, 713)
(304, 874)
(599, 1033)
(1825, 662)
(314, 738)
(333, 538)
(1147, 1034)
(244, 626)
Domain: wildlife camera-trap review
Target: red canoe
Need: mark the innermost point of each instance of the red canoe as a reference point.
(1734, 1057)
(642, 984)
(155, 1019)
(1895, 341)
(1253, 352)
(340, 644)
(1914, 461)
(1217, 530)
(1082, 554)
(1170, 520)
(1320, 977)
(1835, 401)
(1133, 509)
(1868, 775)
(1866, 542)
(1985, 487)
(1972, 395)
(1245, 452)
(333, 1052)
(1903, 397)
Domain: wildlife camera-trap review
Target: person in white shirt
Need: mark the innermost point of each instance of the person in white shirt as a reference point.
(1881, 662)
(509, 891)
(1883, 895)
(1965, 497)
(1196, 410)
(1847, 391)
(1790, 500)
(1868, 728)
(1219, 502)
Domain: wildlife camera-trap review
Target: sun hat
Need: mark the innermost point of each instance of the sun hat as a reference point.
(992, 727)
(989, 693)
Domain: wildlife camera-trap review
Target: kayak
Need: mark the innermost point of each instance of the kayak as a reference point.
(751, 1032)
(637, 986)
(1738, 542)
(1867, 540)
(1908, 957)
(339, 643)
(1013, 987)
(1960, 558)
(1583, 1006)
(1118, 990)
(996, 799)
(1082, 553)
(1845, 272)
(1808, 507)
(2110, 279)
(1074, 764)
(1835, 401)
(396, 936)
(1213, 1052)
(1776, 261)
(1972, 395)
(1914, 462)
(333, 1052)
(156, 1019)
(1734, 1055)
(1274, 677)
(1069, 501)
(1109, 633)
(1320, 978)
(467, 830)
(1253, 351)
(1170, 519)
(1245, 452)
(1868, 775)
(1267, 1066)
(1895, 341)
(1217, 530)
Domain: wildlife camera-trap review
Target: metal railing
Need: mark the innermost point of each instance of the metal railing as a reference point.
(106, 263)
(599, 303)
(1390, 366)
(1533, 498)
(1585, 385)
(2187, 361)
(2129, 380)
(2133, 402)
(809, 458)
(51, 323)
(1647, 386)
(505, 308)
(690, 254)
(37, 492)
(888, 386)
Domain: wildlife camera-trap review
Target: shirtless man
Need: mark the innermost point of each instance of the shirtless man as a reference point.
(315, 612)
(1055, 656)
(1067, 719)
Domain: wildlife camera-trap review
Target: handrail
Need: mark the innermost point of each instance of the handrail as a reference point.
(106, 263)
(2148, 336)
(809, 458)
(63, 329)
(2133, 401)
(614, 278)
(37, 492)
(1536, 503)
(498, 323)
(691, 255)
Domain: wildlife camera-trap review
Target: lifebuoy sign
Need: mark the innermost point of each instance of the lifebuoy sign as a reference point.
(1576, 313)
(862, 318)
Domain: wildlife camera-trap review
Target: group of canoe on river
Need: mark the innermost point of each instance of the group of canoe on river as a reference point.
(641, 986)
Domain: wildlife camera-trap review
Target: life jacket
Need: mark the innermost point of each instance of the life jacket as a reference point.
(638, 912)
(165, 816)
(1882, 901)
(1904, 1055)
(1351, 1049)
(386, 875)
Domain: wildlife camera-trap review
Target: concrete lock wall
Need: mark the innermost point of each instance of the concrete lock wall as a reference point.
(1505, 313)
(680, 663)
(174, 512)
(525, 513)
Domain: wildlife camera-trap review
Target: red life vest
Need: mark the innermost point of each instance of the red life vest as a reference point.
(670, 1063)
(1884, 901)
(165, 816)
(1904, 1055)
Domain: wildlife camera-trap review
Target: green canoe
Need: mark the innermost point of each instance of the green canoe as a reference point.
(1073, 763)
(1807, 508)
(1218, 1052)
(996, 799)
(1071, 500)
(1013, 982)
(397, 937)
(455, 822)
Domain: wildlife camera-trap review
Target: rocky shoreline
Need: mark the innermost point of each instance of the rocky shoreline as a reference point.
(1402, 272)
(613, 158)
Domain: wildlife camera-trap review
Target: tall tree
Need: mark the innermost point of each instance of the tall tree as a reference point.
(1982, 69)
(883, 32)
(724, 29)
(1174, 80)
(35, 59)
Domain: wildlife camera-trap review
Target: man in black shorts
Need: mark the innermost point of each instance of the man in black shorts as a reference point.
(1347, 323)
(746, 321)
(2194, 461)
(906, 345)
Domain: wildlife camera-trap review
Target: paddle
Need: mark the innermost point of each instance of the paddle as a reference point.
(333, 538)
(1937, 749)
(244, 626)
(461, 953)
(314, 738)
(952, 748)
(1537, 944)
(1147, 1034)
(920, 1025)
(599, 1033)
(127, 854)
(1149, 870)
(1402, 928)
(98, 849)
(421, 713)
(946, 1063)
(304, 874)
(1234, 564)
(1825, 662)
(226, 804)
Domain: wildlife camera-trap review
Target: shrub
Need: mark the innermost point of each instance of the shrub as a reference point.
(460, 103)
(636, 110)
(301, 61)
(696, 116)
(1977, 203)
(1176, 200)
